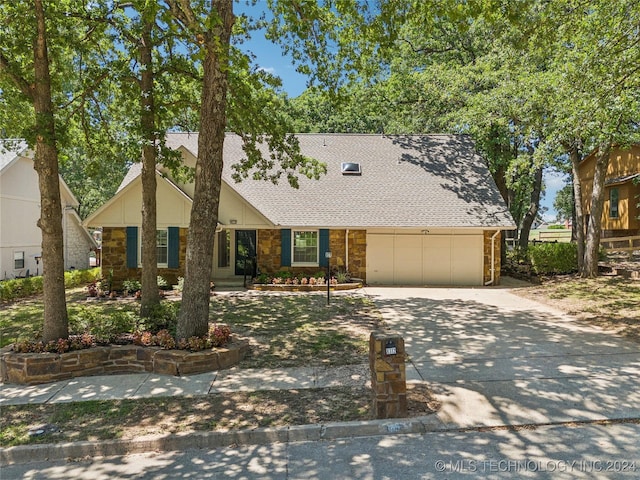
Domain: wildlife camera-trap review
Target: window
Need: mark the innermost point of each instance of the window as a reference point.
(305, 247)
(162, 247)
(613, 203)
(224, 248)
(18, 260)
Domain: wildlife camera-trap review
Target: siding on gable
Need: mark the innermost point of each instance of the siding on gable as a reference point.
(621, 163)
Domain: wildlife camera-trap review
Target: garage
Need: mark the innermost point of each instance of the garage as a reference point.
(397, 258)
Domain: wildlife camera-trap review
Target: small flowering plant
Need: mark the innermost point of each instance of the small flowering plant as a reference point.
(218, 336)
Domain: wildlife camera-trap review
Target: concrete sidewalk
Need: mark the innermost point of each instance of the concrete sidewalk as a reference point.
(145, 385)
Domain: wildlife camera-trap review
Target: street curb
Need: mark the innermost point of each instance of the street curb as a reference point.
(181, 441)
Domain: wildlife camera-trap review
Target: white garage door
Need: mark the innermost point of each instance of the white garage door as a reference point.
(410, 259)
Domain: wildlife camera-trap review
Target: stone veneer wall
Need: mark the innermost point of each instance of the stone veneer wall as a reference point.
(487, 256)
(357, 252)
(114, 257)
(36, 368)
(270, 252)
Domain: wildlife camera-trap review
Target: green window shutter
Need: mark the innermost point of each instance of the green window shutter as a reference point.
(285, 241)
(132, 247)
(173, 260)
(323, 243)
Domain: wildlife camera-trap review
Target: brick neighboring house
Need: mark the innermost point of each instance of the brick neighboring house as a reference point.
(402, 210)
(20, 236)
(620, 215)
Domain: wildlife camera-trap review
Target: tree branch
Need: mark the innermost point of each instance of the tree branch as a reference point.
(88, 89)
(426, 50)
(20, 82)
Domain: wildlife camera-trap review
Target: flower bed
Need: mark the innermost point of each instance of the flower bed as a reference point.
(36, 368)
(281, 287)
(290, 282)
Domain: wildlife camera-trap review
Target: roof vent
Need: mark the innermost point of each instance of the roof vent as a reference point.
(348, 168)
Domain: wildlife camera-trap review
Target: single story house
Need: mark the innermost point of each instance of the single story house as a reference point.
(620, 215)
(20, 236)
(400, 210)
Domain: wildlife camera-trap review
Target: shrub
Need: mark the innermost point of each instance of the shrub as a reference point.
(9, 290)
(180, 286)
(165, 340)
(553, 258)
(219, 335)
(517, 255)
(283, 275)
(343, 277)
(556, 227)
(263, 278)
(163, 317)
(18, 288)
(103, 328)
(107, 282)
(131, 285)
(75, 278)
(162, 283)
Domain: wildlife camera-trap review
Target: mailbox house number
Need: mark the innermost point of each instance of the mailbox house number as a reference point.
(390, 348)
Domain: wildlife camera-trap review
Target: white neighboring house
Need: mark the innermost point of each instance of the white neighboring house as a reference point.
(20, 236)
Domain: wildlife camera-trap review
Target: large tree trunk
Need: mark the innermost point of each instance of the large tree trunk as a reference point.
(500, 178)
(594, 228)
(578, 218)
(532, 212)
(56, 323)
(150, 296)
(194, 313)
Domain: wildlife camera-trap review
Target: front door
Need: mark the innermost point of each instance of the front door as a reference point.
(245, 252)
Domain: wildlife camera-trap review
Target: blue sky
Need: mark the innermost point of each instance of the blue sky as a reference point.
(270, 56)
(553, 181)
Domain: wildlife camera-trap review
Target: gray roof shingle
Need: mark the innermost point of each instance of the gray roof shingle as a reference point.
(407, 181)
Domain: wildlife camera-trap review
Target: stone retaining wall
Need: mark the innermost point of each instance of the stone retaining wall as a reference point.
(35, 368)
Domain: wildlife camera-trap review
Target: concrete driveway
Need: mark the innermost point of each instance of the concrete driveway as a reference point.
(497, 359)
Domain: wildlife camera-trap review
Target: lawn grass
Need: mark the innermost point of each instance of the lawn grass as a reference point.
(612, 302)
(296, 329)
(97, 420)
(22, 320)
(130, 418)
(284, 330)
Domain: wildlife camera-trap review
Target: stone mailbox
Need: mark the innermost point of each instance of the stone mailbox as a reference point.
(388, 375)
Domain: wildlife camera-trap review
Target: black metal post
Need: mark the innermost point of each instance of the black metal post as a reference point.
(328, 278)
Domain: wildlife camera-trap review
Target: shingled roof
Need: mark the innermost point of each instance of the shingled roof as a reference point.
(10, 149)
(407, 181)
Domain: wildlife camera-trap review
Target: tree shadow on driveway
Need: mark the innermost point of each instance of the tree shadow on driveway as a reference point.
(513, 363)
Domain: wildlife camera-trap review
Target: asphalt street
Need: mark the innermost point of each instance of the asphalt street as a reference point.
(553, 452)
